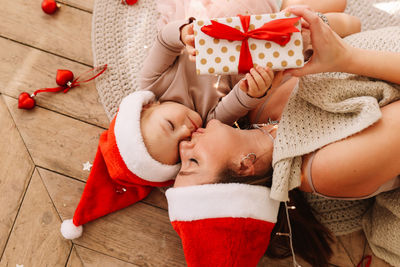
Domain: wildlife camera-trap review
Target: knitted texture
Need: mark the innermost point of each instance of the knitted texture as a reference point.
(121, 36)
(328, 107)
(381, 226)
(341, 217)
(375, 14)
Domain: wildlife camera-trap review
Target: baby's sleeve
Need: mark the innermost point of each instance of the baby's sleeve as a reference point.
(161, 58)
(233, 106)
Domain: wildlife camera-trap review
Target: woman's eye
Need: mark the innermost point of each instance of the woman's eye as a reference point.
(171, 125)
(193, 160)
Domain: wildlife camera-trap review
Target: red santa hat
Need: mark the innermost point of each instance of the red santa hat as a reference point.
(123, 171)
(222, 224)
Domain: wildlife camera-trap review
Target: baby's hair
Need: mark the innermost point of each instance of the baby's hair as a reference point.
(146, 112)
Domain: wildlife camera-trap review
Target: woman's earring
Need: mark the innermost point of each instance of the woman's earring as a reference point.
(249, 159)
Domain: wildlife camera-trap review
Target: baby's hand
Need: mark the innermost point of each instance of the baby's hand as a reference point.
(187, 37)
(257, 81)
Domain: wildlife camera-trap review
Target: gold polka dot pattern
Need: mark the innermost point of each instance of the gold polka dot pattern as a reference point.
(221, 56)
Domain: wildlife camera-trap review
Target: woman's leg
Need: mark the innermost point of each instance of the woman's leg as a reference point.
(343, 24)
(358, 165)
(322, 6)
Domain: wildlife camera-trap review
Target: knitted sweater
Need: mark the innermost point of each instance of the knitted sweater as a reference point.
(328, 107)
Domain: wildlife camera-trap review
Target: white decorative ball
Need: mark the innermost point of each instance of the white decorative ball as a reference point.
(69, 230)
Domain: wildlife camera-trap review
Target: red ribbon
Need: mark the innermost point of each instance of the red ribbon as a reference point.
(278, 31)
(97, 71)
(368, 259)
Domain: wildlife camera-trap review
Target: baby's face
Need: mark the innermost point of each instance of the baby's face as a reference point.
(164, 125)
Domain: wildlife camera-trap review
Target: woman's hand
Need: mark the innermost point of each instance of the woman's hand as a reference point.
(187, 38)
(257, 82)
(331, 53)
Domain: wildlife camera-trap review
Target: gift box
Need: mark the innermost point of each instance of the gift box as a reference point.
(234, 45)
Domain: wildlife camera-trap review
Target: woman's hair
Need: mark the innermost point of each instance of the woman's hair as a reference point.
(311, 239)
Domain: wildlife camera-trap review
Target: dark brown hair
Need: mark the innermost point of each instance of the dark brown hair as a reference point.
(311, 239)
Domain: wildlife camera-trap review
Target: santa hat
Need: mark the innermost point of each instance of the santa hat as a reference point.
(123, 171)
(222, 224)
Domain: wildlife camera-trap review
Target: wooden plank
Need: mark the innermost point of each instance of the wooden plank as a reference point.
(140, 234)
(86, 5)
(35, 239)
(55, 141)
(354, 243)
(24, 68)
(66, 33)
(74, 260)
(16, 169)
(287, 262)
(91, 258)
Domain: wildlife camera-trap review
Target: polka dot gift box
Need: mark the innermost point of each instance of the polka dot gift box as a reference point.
(234, 45)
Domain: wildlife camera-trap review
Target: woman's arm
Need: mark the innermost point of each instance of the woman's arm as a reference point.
(332, 54)
(358, 165)
(375, 64)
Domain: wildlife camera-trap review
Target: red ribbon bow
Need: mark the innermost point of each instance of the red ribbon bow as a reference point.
(278, 31)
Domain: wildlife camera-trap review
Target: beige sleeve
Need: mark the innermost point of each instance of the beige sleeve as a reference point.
(233, 106)
(161, 58)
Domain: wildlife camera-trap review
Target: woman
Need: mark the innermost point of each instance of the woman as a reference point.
(219, 145)
(359, 166)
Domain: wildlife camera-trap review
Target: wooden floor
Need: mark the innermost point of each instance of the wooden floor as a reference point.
(42, 153)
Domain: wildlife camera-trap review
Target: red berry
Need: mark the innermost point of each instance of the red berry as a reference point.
(49, 6)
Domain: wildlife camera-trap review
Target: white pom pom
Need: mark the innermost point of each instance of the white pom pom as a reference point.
(69, 230)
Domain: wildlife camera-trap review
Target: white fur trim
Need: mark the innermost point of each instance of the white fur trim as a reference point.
(69, 230)
(221, 200)
(130, 141)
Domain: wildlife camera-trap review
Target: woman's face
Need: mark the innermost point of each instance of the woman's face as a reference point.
(209, 150)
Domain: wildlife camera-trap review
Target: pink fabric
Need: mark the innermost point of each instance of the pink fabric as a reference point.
(171, 10)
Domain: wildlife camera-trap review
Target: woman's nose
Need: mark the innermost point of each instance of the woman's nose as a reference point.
(184, 145)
